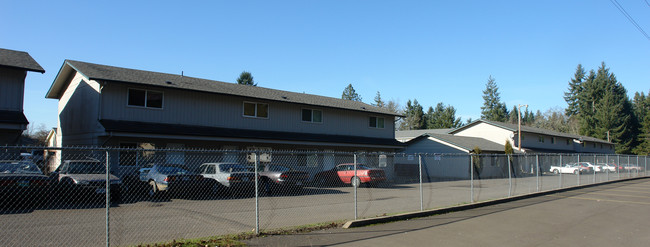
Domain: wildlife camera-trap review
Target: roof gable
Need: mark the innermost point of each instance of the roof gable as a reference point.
(528, 129)
(464, 142)
(116, 74)
(19, 60)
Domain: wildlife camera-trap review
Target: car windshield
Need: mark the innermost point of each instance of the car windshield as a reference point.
(87, 167)
(19, 168)
(233, 168)
(172, 170)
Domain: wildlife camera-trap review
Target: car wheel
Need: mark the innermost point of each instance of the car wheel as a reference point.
(153, 189)
(355, 181)
(576, 172)
(556, 172)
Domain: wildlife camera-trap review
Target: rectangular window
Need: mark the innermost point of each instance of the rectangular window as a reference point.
(258, 110)
(552, 140)
(314, 116)
(145, 98)
(540, 139)
(568, 141)
(376, 122)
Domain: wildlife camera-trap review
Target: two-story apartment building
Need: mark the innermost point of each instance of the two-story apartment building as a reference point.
(103, 105)
(534, 140)
(14, 66)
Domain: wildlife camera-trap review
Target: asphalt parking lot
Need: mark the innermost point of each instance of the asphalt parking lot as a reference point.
(615, 214)
(141, 220)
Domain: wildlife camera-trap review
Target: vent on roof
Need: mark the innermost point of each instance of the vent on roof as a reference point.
(363, 107)
(284, 97)
(169, 82)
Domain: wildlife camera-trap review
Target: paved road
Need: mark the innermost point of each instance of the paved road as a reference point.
(616, 214)
(142, 221)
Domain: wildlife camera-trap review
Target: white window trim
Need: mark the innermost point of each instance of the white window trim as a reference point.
(376, 122)
(146, 94)
(268, 110)
(312, 116)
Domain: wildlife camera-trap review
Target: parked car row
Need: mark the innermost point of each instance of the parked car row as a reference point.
(588, 167)
(21, 181)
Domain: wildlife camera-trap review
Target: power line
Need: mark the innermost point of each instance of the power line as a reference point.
(620, 8)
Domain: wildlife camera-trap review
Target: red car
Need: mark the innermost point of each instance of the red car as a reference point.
(344, 174)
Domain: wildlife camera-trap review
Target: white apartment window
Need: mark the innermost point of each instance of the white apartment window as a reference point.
(310, 115)
(257, 110)
(145, 98)
(376, 122)
(540, 139)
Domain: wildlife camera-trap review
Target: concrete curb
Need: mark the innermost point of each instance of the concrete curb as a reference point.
(425, 213)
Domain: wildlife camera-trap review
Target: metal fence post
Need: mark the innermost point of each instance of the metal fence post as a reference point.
(607, 163)
(560, 172)
(629, 171)
(537, 170)
(257, 195)
(355, 187)
(594, 181)
(108, 202)
(645, 169)
(618, 165)
(509, 176)
(471, 177)
(579, 169)
(421, 193)
(637, 165)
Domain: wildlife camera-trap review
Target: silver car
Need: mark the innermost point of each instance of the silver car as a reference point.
(173, 178)
(79, 178)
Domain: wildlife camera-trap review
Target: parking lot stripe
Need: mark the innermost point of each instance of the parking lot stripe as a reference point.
(599, 199)
(608, 194)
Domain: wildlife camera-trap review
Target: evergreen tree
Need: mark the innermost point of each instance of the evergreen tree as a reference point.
(513, 117)
(575, 87)
(442, 117)
(378, 101)
(642, 112)
(414, 116)
(493, 109)
(246, 78)
(605, 109)
(350, 94)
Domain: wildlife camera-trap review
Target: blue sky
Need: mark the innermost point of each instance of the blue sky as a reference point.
(432, 51)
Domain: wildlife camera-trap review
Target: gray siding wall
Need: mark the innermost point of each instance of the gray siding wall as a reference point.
(78, 113)
(205, 109)
(532, 140)
(12, 87)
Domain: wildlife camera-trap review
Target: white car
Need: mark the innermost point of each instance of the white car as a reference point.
(172, 178)
(607, 167)
(567, 169)
(593, 167)
(229, 175)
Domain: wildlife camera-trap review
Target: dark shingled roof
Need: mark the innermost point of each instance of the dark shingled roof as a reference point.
(467, 143)
(176, 129)
(116, 74)
(20, 60)
(13, 117)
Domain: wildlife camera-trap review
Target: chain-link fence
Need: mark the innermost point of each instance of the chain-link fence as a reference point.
(117, 196)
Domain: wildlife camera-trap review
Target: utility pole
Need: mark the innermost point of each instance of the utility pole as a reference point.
(519, 125)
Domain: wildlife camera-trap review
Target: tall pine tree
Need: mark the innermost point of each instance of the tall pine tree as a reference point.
(493, 109)
(575, 87)
(414, 116)
(350, 94)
